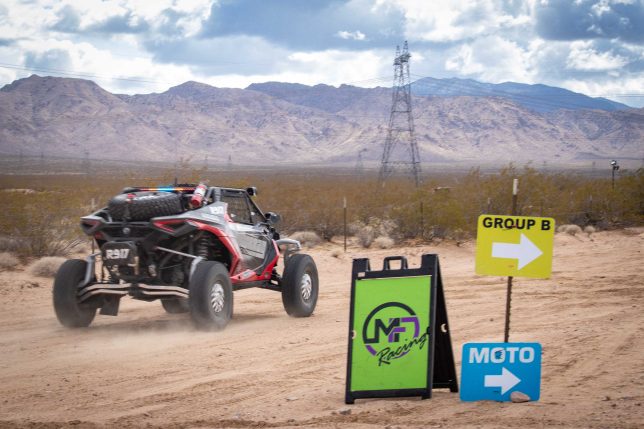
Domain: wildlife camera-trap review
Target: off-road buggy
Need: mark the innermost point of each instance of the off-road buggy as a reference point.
(189, 246)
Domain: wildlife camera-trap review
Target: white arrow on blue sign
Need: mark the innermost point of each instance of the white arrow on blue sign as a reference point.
(492, 371)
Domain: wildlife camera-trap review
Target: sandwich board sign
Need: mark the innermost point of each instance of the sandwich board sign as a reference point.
(399, 344)
(492, 371)
(517, 246)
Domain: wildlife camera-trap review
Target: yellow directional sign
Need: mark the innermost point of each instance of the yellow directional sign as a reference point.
(518, 246)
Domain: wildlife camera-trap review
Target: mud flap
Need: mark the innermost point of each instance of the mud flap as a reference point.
(110, 305)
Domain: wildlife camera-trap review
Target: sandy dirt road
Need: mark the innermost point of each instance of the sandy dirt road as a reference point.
(146, 368)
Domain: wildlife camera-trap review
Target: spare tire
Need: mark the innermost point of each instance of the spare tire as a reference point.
(144, 205)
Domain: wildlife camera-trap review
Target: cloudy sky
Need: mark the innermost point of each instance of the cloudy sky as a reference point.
(141, 46)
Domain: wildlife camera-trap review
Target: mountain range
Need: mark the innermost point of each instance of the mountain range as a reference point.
(282, 123)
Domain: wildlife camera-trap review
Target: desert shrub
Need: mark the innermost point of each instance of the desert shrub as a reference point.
(589, 229)
(354, 227)
(8, 244)
(446, 205)
(569, 229)
(459, 235)
(41, 224)
(306, 238)
(46, 240)
(383, 242)
(336, 253)
(8, 261)
(47, 266)
(366, 235)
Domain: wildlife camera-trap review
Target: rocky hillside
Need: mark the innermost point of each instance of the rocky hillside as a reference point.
(540, 98)
(290, 123)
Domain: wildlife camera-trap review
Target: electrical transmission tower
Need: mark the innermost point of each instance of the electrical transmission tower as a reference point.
(359, 163)
(401, 150)
(87, 167)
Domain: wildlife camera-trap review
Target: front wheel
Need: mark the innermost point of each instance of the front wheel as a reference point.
(300, 285)
(69, 311)
(211, 296)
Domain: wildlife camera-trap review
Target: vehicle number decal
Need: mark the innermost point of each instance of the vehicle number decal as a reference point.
(216, 210)
(117, 253)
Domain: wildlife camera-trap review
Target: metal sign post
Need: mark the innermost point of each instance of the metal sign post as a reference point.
(508, 297)
(508, 246)
(514, 246)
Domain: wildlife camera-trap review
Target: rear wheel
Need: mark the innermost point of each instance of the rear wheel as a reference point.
(69, 311)
(211, 296)
(175, 306)
(300, 285)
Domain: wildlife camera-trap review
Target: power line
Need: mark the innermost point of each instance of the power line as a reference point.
(76, 74)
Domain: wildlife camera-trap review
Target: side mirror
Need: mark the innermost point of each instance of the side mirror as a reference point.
(252, 191)
(272, 218)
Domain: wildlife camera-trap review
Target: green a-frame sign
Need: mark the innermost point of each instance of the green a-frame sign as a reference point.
(399, 341)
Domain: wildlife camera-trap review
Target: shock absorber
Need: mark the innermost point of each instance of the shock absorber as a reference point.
(203, 246)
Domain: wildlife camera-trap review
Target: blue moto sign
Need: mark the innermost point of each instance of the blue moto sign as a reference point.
(492, 371)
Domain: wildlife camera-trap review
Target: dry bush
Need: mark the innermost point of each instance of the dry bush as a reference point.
(306, 238)
(574, 230)
(46, 240)
(354, 227)
(366, 235)
(41, 224)
(589, 229)
(569, 229)
(458, 235)
(47, 266)
(383, 242)
(8, 261)
(8, 244)
(45, 222)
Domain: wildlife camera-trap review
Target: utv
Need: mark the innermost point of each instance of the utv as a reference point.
(189, 246)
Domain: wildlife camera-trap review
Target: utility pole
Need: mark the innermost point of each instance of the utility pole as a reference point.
(401, 150)
(615, 166)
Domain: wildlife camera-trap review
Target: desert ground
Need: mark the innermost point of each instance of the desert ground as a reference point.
(146, 368)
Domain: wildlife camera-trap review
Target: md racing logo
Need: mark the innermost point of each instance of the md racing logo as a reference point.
(391, 331)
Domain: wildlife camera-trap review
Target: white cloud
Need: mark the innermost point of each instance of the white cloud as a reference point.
(336, 67)
(627, 90)
(600, 8)
(116, 74)
(330, 67)
(355, 35)
(583, 57)
(491, 59)
(463, 62)
(455, 20)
